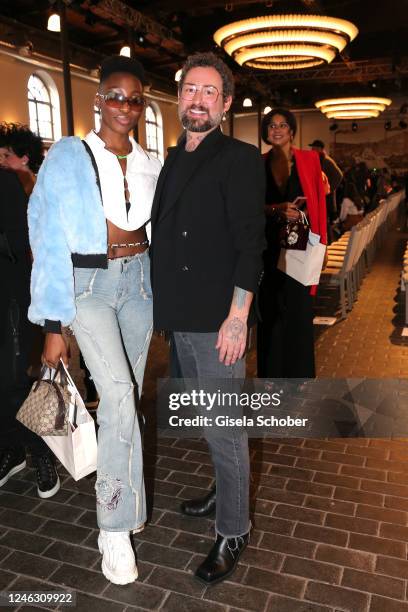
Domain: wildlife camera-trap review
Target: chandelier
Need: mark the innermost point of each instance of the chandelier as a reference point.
(353, 108)
(285, 42)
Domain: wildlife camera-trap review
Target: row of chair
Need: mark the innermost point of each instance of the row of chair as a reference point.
(351, 256)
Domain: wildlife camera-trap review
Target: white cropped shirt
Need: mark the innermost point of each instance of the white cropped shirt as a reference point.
(142, 171)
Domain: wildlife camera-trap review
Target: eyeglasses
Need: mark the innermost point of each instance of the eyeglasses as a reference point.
(278, 126)
(113, 99)
(209, 93)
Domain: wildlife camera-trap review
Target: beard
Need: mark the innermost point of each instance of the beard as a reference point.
(196, 124)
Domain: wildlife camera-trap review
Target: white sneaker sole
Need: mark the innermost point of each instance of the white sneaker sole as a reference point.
(50, 492)
(14, 470)
(117, 578)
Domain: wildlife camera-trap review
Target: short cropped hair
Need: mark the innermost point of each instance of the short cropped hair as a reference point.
(289, 116)
(22, 141)
(121, 63)
(209, 60)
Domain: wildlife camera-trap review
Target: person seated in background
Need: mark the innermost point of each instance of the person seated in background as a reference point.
(361, 177)
(21, 151)
(352, 208)
(16, 342)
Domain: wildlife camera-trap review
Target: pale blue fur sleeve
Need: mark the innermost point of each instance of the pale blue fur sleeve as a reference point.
(52, 282)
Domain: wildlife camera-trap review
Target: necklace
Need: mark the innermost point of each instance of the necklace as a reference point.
(117, 154)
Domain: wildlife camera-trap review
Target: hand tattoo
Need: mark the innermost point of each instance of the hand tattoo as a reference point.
(235, 330)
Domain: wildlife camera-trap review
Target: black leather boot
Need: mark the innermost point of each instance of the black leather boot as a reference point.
(222, 559)
(203, 506)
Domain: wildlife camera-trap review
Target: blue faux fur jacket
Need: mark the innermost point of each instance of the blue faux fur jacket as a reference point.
(66, 221)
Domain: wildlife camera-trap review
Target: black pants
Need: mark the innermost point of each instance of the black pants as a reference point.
(15, 350)
(285, 344)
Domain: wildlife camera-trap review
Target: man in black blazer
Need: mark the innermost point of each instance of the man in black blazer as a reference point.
(206, 262)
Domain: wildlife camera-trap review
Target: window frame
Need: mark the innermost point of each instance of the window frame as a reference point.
(157, 126)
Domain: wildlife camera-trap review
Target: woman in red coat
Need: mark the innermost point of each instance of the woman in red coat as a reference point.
(285, 330)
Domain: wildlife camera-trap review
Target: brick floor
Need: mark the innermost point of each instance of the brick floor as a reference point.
(330, 516)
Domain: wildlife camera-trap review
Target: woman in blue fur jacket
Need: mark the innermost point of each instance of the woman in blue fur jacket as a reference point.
(87, 220)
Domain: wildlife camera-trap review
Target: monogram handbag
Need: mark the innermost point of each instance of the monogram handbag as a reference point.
(45, 409)
(295, 234)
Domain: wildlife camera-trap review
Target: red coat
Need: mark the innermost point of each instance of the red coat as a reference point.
(310, 176)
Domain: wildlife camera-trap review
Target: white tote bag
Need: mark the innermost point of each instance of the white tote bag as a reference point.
(304, 266)
(77, 451)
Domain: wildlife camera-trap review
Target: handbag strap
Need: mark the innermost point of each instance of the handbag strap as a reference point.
(60, 416)
(51, 378)
(95, 166)
(304, 218)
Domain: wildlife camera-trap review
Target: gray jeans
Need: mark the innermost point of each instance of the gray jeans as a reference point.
(198, 359)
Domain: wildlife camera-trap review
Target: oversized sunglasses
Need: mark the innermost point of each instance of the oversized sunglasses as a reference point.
(114, 99)
(279, 126)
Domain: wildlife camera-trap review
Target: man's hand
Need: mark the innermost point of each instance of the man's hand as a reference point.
(55, 348)
(232, 340)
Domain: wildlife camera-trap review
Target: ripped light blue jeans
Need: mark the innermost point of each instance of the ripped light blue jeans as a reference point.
(113, 327)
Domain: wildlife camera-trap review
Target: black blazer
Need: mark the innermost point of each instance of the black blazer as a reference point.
(210, 236)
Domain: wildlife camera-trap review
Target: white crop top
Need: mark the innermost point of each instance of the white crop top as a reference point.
(142, 171)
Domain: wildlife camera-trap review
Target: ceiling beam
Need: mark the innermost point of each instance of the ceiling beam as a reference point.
(125, 16)
(361, 71)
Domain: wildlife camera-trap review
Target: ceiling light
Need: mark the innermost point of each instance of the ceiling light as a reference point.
(387, 125)
(54, 24)
(267, 110)
(354, 126)
(125, 51)
(177, 76)
(285, 42)
(353, 108)
(350, 114)
(403, 124)
(247, 103)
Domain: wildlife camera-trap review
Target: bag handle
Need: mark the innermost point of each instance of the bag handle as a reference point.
(58, 370)
(303, 218)
(71, 382)
(66, 374)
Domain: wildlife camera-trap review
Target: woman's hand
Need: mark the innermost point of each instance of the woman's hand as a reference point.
(55, 348)
(287, 211)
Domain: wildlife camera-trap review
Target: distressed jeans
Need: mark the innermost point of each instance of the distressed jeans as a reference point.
(113, 327)
(198, 359)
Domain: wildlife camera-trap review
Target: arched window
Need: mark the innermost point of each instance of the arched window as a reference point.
(43, 106)
(154, 131)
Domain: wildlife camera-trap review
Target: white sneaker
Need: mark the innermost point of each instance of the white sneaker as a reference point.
(118, 562)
